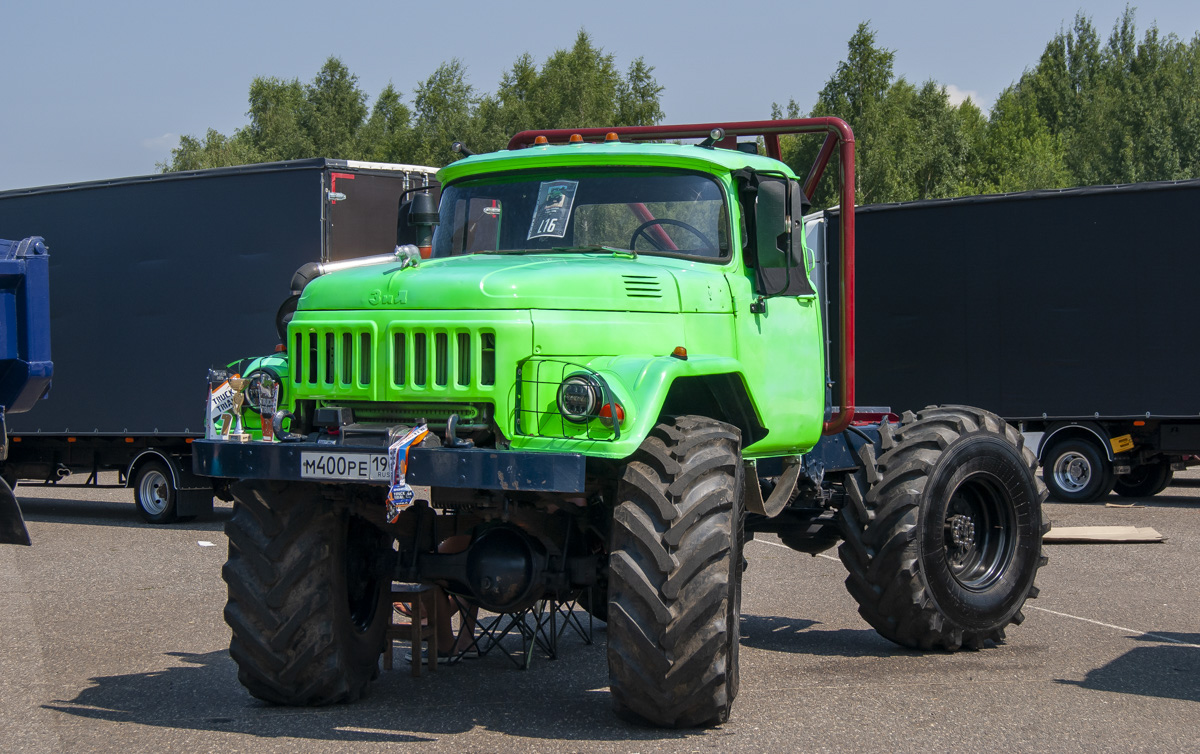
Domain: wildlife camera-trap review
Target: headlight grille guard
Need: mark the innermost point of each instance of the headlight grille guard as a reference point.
(538, 381)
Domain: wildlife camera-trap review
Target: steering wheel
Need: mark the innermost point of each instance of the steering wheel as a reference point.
(641, 231)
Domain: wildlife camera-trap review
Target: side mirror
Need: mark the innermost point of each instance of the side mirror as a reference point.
(415, 221)
(779, 249)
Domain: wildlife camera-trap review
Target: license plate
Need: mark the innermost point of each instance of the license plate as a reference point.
(361, 467)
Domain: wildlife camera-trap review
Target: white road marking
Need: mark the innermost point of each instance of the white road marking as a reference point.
(777, 544)
(1148, 634)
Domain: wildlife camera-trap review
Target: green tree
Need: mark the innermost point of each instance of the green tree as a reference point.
(387, 135)
(328, 117)
(1125, 111)
(578, 87)
(444, 106)
(276, 128)
(215, 150)
(1018, 151)
(910, 143)
(333, 111)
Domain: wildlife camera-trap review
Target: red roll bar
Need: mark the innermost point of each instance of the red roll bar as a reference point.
(837, 136)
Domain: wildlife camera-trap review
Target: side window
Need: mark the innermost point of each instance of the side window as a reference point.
(483, 224)
(476, 225)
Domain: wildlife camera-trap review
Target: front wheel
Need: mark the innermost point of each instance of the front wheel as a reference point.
(674, 576)
(943, 548)
(308, 586)
(1077, 471)
(1146, 480)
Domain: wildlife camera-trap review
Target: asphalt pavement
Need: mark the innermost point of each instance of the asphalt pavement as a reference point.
(113, 640)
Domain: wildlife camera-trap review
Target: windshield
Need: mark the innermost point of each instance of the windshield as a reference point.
(652, 212)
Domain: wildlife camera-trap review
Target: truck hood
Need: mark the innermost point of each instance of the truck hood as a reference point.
(543, 281)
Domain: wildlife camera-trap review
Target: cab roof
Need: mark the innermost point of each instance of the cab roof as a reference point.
(653, 154)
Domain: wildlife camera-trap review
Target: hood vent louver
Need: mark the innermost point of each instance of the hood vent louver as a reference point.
(642, 286)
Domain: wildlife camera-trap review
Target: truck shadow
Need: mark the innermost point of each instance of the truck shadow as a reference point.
(1164, 671)
(109, 513)
(797, 636)
(565, 699)
(1165, 499)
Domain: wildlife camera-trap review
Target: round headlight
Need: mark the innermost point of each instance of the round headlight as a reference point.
(261, 389)
(579, 398)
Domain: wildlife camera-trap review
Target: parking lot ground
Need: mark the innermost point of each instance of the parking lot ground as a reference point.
(114, 641)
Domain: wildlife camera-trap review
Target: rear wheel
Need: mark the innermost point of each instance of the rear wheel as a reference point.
(308, 586)
(674, 576)
(1146, 480)
(1076, 471)
(154, 493)
(943, 548)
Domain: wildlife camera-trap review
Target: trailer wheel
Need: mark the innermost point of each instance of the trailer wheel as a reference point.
(674, 575)
(308, 586)
(154, 493)
(943, 549)
(1146, 480)
(1076, 471)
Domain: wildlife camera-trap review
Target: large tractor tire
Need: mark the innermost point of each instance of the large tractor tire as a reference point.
(675, 575)
(308, 586)
(1076, 470)
(943, 547)
(1146, 480)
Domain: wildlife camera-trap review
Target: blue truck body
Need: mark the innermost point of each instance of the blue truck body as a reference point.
(25, 365)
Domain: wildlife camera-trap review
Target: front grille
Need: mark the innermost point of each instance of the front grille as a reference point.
(333, 358)
(343, 360)
(423, 358)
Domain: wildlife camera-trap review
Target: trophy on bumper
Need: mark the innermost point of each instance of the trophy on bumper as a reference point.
(231, 421)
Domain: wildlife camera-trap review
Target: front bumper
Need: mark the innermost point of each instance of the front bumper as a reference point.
(469, 468)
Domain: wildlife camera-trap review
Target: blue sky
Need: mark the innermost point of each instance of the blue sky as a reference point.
(103, 90)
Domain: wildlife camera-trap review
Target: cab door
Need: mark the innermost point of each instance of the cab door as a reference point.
(777, 318)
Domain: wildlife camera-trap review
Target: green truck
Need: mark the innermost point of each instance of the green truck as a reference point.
(618, 347)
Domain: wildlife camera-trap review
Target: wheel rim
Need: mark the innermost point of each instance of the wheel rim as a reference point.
(1072, 471)
(978, 532)
(1139, 476)
(154, 492)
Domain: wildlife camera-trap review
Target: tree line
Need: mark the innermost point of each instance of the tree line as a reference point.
(579, 86)
(1088, 112)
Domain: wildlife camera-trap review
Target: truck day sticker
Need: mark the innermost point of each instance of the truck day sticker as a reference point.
(220, 402)
(554, 202)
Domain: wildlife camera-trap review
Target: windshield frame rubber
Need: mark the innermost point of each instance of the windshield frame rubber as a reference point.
(723, 259)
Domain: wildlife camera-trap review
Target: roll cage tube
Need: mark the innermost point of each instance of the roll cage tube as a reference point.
(837, 136)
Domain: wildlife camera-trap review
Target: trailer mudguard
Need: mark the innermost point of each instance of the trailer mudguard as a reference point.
(194, 494)
(12, 523)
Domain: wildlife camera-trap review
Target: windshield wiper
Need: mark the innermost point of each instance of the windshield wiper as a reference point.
(597, 247)
(593, 248)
